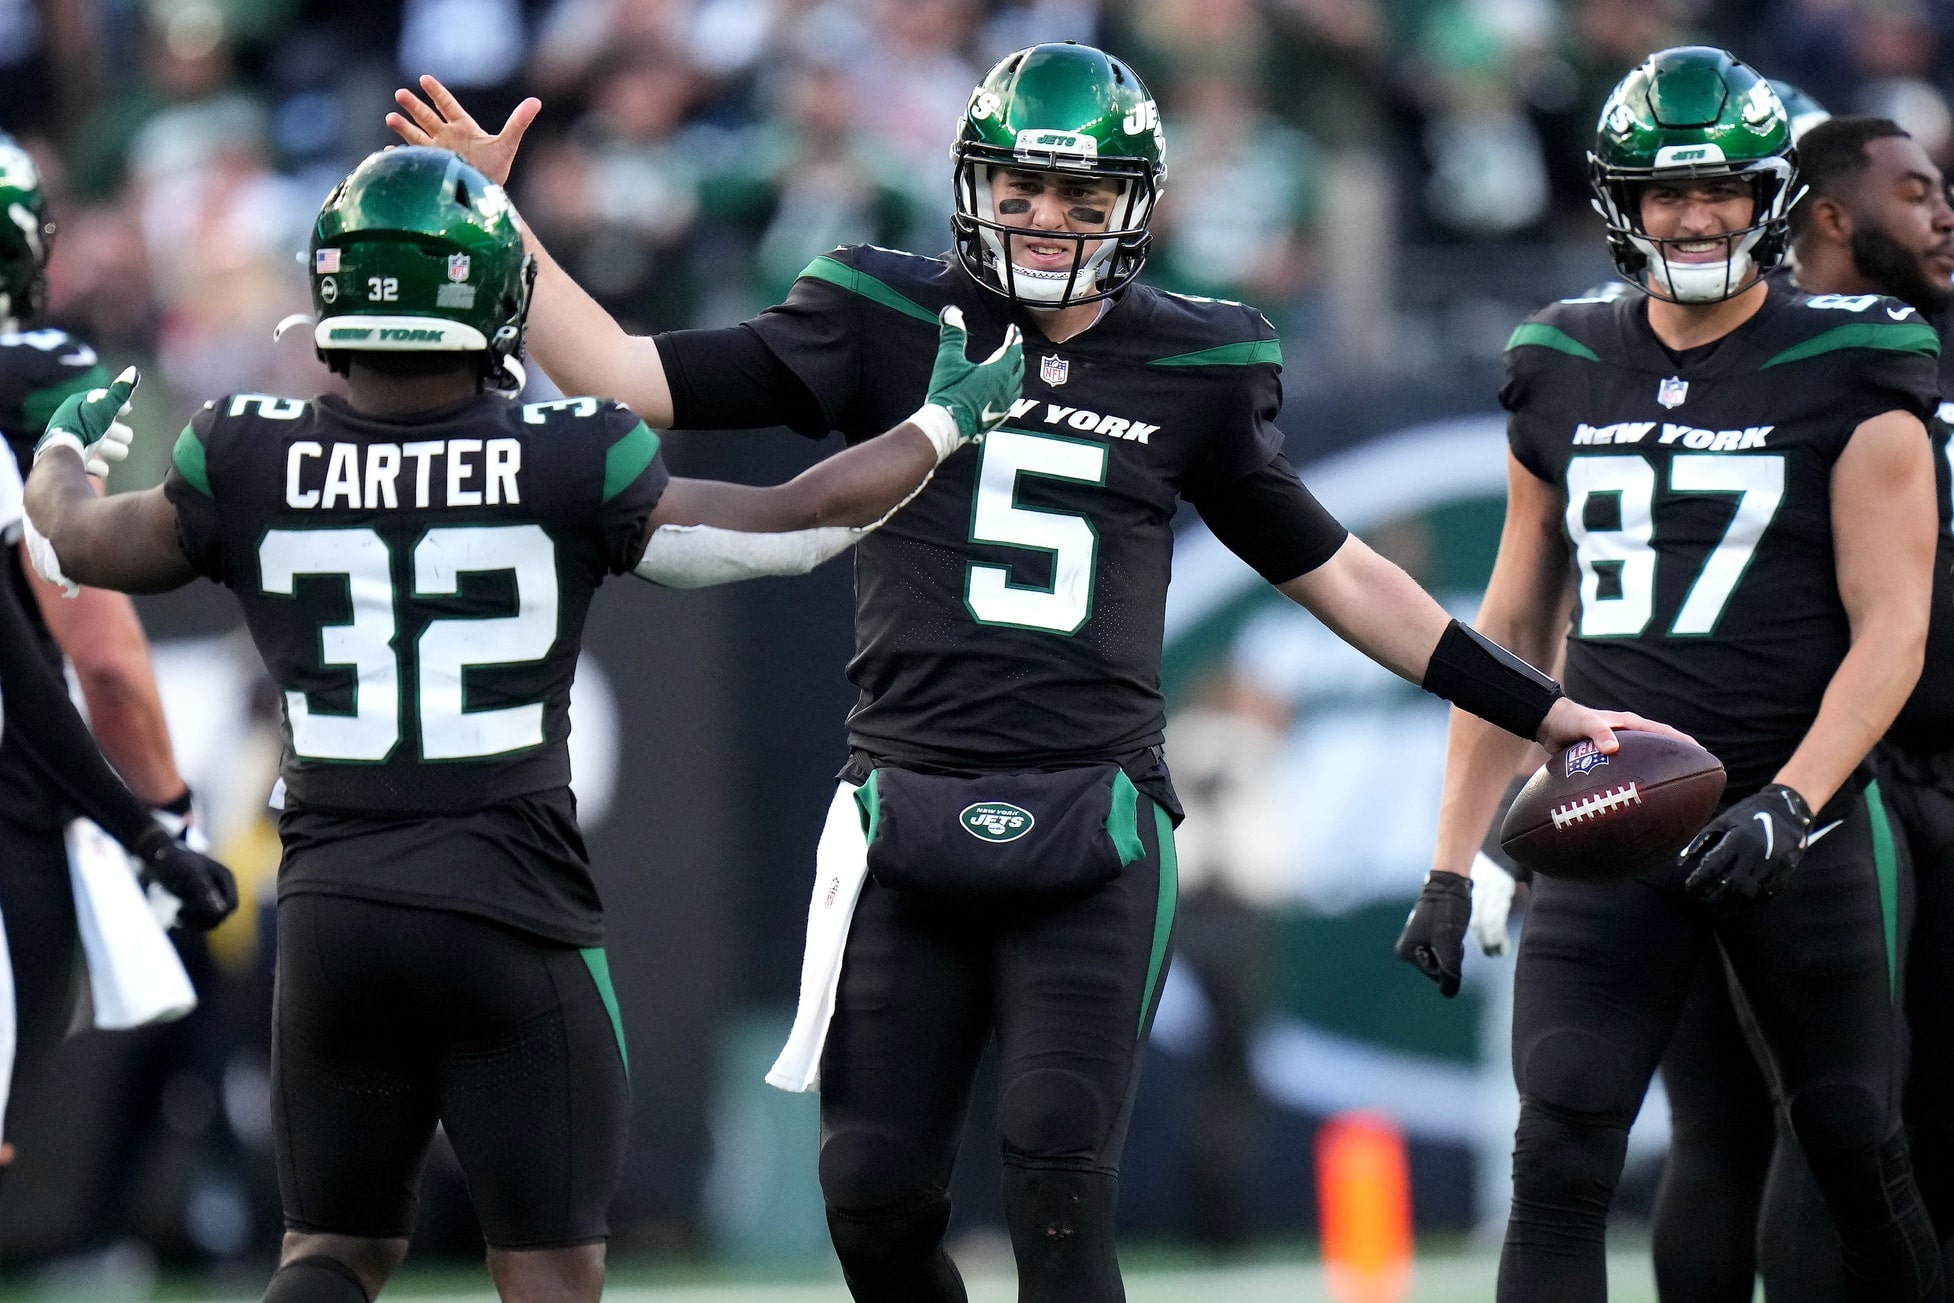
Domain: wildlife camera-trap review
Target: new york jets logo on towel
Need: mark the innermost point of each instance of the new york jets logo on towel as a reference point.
(996, 821)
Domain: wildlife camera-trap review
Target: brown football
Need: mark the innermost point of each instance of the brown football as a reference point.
(1592, 816)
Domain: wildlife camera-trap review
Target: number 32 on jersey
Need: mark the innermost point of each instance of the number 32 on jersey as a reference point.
(445, 650)
(1624, 558)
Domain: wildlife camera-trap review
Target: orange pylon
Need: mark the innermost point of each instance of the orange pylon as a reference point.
(1363, 1194)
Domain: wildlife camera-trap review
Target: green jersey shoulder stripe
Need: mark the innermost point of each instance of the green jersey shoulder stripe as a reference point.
(40, 405)
(1248, 352)
(856, 281)
(189, 458)
(627, 458)
(1898, 336)
(1542, 335)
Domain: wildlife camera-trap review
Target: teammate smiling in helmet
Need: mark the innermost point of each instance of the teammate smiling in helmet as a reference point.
(1693, 182)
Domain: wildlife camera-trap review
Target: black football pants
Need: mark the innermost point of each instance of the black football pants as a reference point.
(37, 905)
(1603, 973)
(1068, 989)
(390, 1019)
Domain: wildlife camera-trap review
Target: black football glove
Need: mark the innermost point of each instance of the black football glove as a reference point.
(1433, 940)
(206, 889)
(1748, 852)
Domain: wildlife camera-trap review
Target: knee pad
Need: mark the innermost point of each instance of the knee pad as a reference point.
(316, 1279)
(1565, 1169)
(1052, 1113)
(866, 1173)
(1577, 1072)
(1837, 1120)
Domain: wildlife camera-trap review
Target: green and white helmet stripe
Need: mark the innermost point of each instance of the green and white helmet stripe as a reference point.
(1066, 108)
(1689, 113)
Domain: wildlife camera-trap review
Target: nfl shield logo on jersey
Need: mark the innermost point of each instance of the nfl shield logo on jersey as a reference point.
(1671, 392)
(1052, 369)
(457, 267)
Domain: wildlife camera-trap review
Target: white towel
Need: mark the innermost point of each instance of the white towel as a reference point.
(134, 976)
(840, 865)
(9, 1020)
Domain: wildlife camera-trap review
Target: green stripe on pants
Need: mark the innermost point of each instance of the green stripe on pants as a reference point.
(600, 972)
(1163, 911)
(1886, 868)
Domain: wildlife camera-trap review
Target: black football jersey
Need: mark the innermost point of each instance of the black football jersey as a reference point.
(417, 588)
(38, 368)
(1698, 501)
(1012, 614)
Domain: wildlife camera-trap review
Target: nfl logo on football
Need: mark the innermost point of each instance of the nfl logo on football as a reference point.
(457, 267)
(1671, 392)
(1583, 756)
(1052, 370)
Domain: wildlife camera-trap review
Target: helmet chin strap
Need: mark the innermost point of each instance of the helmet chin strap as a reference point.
(1711, 282)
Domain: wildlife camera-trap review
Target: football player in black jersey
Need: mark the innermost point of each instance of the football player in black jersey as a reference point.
(1724, 484)
(1007, 792)
(414, 563)
(1875, 220)
(97, 631)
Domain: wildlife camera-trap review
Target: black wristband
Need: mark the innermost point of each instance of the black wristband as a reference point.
(1478, 675)
(180, 807)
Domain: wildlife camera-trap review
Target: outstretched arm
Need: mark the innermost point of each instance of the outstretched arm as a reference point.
(709, 532)
(104, 640)
(575, 340)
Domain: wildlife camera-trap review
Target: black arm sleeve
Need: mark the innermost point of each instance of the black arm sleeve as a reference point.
(1268, 519)
(728, 379)
(42, 719)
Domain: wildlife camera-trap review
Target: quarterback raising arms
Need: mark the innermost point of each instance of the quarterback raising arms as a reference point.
(999, 858)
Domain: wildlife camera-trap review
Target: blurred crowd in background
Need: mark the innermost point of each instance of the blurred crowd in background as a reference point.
(1394, 182)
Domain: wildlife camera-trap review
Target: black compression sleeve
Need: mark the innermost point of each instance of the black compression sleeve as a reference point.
(39, 715)
(1268, 519)
(1478, 675)
(728, 379)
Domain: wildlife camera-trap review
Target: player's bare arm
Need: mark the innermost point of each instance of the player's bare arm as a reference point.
(578, 343)
(1525, 608)
(127, 541)
(103, 639)
(1377, 608)
(709, 532)
(1883, 524)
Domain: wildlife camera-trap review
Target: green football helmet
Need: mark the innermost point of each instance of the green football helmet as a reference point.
(1804, 111)
(1067, 108)
(1692, 113)
(26, 235)
(417, 252)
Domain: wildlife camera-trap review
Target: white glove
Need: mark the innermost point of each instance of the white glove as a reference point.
(1492, 900)
(40, 553)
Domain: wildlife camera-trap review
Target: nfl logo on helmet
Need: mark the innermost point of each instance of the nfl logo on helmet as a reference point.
(1052, 370)
(457, 267)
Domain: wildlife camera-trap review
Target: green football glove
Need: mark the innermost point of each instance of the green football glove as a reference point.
(968, 399)
(91, 424)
